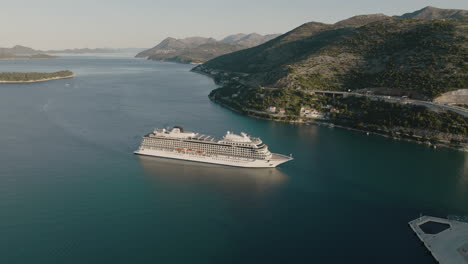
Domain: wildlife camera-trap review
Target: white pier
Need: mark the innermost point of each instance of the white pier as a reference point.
(446, 240)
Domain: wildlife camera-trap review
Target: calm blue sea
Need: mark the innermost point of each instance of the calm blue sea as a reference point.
(71, 191)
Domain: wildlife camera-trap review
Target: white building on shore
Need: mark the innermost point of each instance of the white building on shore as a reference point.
(271, 109)
(311, 113)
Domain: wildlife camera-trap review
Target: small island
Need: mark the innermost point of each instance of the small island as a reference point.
(31, 77)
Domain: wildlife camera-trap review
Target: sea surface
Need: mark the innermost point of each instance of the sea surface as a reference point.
(71, 191)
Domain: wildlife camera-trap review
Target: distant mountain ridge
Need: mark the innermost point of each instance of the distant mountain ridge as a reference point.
(200, 49)
(80, 51)
(93, 51)
(22, 52)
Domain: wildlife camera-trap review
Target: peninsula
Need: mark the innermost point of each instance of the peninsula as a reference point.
(196, 50)
(32, 77)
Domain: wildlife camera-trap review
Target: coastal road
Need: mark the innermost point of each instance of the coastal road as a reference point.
(393, 99)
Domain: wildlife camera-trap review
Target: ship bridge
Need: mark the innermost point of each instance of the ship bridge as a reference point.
(241, 140)
(176, 132)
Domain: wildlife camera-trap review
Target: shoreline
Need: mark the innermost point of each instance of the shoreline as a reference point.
(325, 123)
(249, 113)
(40, 80)
(428, 144)
(175, 61)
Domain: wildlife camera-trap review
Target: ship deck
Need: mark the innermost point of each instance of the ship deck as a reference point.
(275, 156)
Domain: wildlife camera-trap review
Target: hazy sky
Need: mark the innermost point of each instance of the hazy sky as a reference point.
(57, 24)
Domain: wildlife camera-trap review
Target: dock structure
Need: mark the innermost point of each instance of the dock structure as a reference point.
(446, 240)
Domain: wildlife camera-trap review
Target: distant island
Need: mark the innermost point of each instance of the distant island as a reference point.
(94, 51)
(4, 56)
(394, 76)
(196, 50)
(19, 52)
(31, 77)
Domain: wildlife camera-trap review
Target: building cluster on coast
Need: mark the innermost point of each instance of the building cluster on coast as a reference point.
(306, 112)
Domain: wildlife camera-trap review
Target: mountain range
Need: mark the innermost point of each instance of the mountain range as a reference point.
(421, 54)
(200, 49)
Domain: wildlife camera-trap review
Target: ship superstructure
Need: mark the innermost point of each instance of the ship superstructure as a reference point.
(233, 150)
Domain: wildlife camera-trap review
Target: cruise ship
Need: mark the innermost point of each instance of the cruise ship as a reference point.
(232, 150)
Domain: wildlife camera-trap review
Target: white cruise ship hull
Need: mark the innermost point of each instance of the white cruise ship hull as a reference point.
(275, 160)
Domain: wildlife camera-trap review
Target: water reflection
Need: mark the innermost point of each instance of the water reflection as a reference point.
(242, 182)
(462, 185)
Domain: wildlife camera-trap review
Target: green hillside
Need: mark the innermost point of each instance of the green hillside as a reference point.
(421, 57)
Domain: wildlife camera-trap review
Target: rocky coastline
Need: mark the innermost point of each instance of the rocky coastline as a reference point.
(408, 135)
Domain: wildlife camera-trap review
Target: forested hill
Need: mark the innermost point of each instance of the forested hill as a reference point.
(422, 57)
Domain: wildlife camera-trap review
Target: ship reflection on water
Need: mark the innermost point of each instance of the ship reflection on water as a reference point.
(231, 180)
